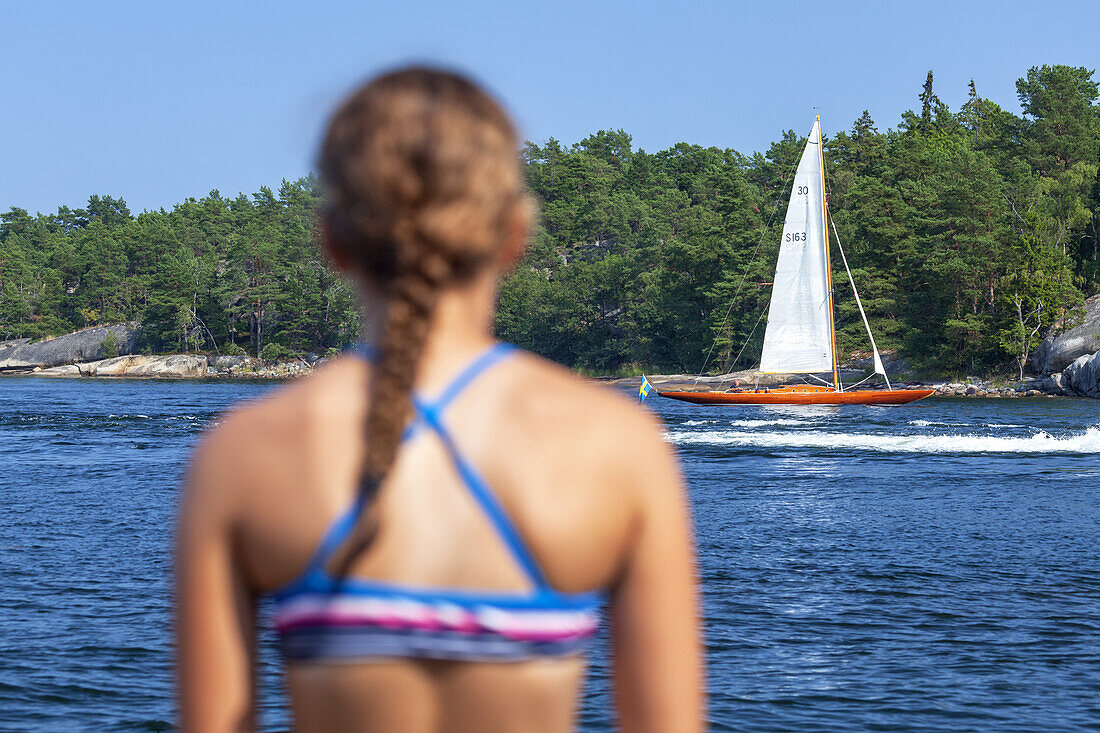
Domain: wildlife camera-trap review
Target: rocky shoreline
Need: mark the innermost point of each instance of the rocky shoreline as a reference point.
(199, 366)
(186, 366)
(1067, 364)
(107, 351)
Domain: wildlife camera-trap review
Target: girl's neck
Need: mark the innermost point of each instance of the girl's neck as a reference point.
(461, 322)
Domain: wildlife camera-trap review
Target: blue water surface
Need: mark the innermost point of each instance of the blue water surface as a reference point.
(929, 567)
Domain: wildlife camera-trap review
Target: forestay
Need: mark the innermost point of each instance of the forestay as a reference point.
(799, 335)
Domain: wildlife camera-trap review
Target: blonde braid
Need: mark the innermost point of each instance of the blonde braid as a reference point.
(423, 180)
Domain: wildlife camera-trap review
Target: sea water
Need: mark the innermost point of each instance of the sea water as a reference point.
(928, 567)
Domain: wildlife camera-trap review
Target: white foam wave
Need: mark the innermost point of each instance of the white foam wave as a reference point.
(766, 423)
(934, 424)
(1041, 442)
(748, 423)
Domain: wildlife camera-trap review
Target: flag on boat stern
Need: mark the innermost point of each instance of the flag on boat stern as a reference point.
(643, 391)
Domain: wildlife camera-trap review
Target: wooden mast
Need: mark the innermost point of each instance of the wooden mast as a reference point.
(828, 263)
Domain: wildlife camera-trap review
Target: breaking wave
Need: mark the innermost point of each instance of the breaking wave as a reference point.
(1040, 442)
(766, 423)
(749, 423)
(934, 424)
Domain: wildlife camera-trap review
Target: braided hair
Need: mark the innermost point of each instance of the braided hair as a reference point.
(422, 178)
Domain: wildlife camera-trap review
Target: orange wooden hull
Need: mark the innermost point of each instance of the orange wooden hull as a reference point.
(802, 395)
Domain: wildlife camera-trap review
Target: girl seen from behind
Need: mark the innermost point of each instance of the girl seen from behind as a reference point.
(438, 517)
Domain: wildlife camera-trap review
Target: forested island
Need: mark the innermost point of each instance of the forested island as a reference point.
(971, 233)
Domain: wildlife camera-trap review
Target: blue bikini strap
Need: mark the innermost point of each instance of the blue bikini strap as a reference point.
(336, 534)
(485, 497)
(483, 361)
(345, 523)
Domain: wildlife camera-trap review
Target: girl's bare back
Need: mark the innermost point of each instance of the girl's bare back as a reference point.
(581, 472)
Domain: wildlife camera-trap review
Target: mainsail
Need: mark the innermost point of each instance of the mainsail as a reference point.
(799, 336)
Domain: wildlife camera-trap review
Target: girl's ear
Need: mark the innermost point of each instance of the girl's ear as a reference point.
(331, 245)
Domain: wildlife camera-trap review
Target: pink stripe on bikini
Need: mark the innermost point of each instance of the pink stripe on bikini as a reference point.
(511, 626)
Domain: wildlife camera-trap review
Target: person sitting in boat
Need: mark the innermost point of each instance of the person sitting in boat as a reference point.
(437, 518)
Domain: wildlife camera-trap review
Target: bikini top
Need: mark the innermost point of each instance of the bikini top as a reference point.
(322, 618)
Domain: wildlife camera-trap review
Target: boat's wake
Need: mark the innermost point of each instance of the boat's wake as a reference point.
(1039, 442)
(934, 424)
(780, 422)
(768, 423)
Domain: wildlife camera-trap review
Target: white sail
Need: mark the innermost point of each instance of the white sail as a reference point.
(799, 336)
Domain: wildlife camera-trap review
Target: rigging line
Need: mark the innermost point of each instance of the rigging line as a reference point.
(870, 376)
(871, 336)
(874, 348)
(755, 252)
(747, 341)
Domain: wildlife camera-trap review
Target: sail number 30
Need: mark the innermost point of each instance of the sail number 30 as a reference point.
(803, 190)
(794, 237)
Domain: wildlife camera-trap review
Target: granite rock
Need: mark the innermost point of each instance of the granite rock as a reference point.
(81, 346)
(176, 365)
(1055, 353)
(1082, 377)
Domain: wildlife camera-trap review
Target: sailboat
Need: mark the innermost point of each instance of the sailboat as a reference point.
(800, 337)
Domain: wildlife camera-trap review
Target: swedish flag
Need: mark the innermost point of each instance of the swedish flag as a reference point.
(643, 391)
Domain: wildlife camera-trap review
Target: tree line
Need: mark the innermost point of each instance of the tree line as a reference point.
(970, 232)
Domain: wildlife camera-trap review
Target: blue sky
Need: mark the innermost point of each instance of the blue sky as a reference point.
(155, 101)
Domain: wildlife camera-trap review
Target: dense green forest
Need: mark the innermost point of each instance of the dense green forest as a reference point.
(971, 232)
